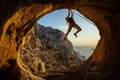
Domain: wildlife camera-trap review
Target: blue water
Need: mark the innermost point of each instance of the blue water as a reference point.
(84, 50)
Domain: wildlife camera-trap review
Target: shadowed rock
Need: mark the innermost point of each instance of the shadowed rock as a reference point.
(46, 50)
(23, 14)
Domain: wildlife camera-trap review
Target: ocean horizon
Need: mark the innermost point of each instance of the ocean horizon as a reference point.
(84, 50)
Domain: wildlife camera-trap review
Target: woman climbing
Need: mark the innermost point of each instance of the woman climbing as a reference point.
(71, 23)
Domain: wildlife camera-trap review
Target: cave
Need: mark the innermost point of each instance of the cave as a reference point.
(87, 39)
(18, 17)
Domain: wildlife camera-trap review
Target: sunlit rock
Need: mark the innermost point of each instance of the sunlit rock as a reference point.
(47, 46)
(18, 17)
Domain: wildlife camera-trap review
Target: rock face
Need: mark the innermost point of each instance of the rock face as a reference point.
(19, 16)
(54, 54)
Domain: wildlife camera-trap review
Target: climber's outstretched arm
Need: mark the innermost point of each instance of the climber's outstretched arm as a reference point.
(68, 12)
(71, 14)
(67, 16)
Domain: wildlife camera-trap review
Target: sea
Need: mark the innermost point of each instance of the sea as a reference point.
(84, 50)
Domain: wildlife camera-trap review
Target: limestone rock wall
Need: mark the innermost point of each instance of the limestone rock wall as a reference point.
(46, 46)
(18, 17)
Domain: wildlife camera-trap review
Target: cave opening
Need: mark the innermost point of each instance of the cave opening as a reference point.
(87, 39)
(40, 42)
(19, 18)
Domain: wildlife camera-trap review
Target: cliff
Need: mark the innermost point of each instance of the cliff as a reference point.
(18, 17)
(54, 54)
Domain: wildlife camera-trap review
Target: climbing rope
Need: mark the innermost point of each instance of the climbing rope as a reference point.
(84, 18)
(88, 21)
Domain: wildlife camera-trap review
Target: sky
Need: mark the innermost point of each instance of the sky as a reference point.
(88, 36)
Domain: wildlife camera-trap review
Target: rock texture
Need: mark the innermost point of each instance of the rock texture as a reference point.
(19, 16)
(54, 54)
(29, 53)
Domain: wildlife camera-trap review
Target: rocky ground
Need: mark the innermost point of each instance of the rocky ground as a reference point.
(45, 51)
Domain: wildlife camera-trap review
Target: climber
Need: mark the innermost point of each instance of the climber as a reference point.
(71, 23)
